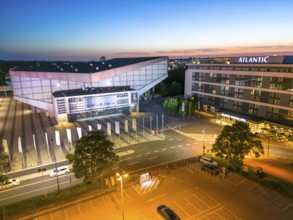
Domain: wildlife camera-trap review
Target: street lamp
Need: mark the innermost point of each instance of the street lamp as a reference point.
(56, 165)
(120, 178)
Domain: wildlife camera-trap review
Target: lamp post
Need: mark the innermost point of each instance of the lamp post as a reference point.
(120, 178)
(56, 165)
(42, 171)
(268, 147)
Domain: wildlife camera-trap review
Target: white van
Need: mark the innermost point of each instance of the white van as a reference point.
(206, 160)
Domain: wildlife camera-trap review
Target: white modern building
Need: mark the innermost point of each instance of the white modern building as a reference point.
(71, 91)
(260, 87)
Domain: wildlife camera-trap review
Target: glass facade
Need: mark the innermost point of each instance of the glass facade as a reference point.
(42, 89)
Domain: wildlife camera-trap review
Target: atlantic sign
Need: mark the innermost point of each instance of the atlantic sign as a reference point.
(256, 59)
(253, 59)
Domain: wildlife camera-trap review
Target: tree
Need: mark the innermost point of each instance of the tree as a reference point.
(5, 165)
(175, 89)
(235, 142)
(93, 154)
(171, 104)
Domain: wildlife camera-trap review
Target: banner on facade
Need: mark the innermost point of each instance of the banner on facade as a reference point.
(68, 132)
(109, 128)
(57, 138)
(117, 127)
(79, 133)
(99, 126)
(134, 124)
(126, 126)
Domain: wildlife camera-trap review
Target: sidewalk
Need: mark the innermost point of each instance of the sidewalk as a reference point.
(276, 167)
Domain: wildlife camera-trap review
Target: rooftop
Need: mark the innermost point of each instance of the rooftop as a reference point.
(83, 67)
(90, 91)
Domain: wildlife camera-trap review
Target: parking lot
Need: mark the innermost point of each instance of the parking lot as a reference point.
(190, 192)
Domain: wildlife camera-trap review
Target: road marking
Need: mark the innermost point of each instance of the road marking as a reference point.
(92, 204)
(241, 182)
(252, 187)
(104, 202)
(190, 203)
(79, 210)
(134, 163)
(129, 158)
(156, 151)
(284, 209)
(36, 190)
(265, 191)
(187, 144)
(195, 196)
(164, 149)
(173, 147)
(275, 199)
(181, 209)
(65, 214)
(152, 158)
(179, 139)
(138, 155)
(147, 153)
(156, 198)
(180, 145)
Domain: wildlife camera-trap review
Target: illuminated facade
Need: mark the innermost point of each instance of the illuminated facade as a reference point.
(255, 86)
(75, 90)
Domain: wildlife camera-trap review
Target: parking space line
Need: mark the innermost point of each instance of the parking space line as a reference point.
(275, 199)
(147, 153)
(104, 202)
(51, 215)
(287, 207)
(210, 197)
(129, 158)
(156, 151)
(241, 182)
(93, 205)
(180, 145)
(250, 188)
(232, 213)
(191, 204)
(200, 200)
(65, 214)
(79, 210)
(181, 209)
(150, 200)
(265, 191)
(220, 216)
(164, 149)
(138, 155)
(172, 147)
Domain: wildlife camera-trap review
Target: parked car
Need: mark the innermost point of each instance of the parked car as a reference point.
(60, 171)
(167, 213)
(214, 170)
(9, 183)
(207, 160)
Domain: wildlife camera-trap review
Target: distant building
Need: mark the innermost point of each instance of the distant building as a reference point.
(71, 91)
(257, 86)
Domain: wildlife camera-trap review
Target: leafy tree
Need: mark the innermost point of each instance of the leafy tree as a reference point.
(171, 104)
(93, 154)
(235, 142)
(161, 89)
(175, 89)
(5, 165)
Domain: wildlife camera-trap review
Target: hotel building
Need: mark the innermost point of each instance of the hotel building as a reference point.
(259, 87)
(72, 91)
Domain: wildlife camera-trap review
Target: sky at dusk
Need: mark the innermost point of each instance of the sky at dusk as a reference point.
(86, 30)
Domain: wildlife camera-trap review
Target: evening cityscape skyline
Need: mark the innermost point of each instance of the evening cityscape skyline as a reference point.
(69, 30)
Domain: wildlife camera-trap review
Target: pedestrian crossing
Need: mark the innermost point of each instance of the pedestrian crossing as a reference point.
(147, 186)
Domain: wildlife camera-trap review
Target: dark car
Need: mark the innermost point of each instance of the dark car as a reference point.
(167, 213)
(211, 169)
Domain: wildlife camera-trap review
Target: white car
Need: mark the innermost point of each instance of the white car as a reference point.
(207, 160)
(9, 183)
(60, 170)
